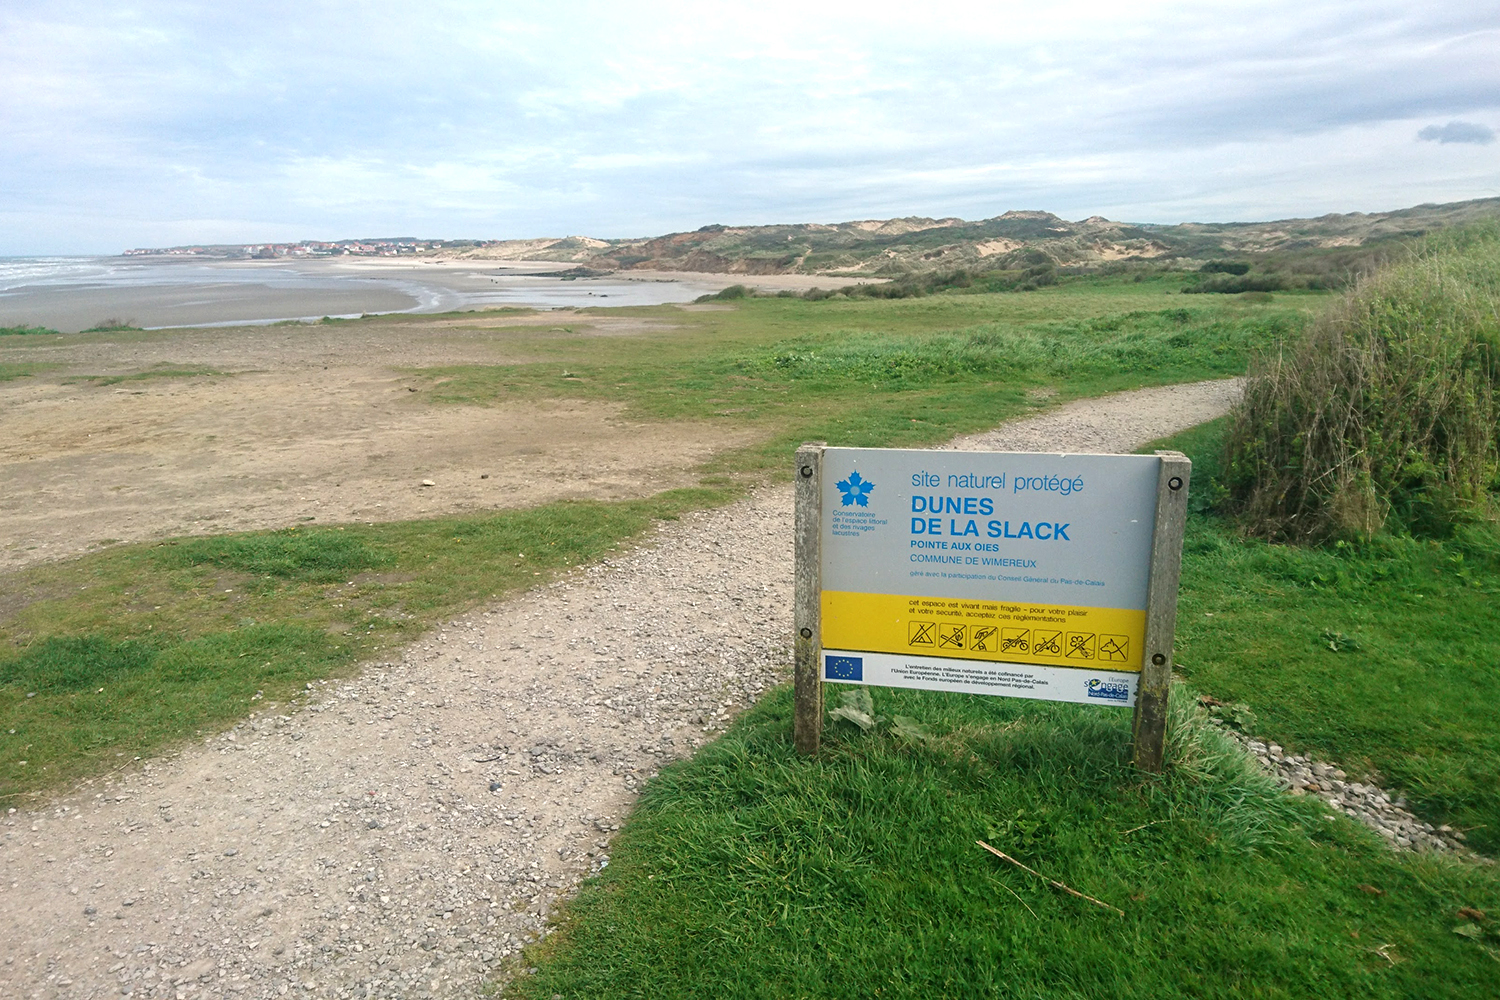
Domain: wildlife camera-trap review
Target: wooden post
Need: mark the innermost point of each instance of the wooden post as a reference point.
(1150, 736)
(807, 717)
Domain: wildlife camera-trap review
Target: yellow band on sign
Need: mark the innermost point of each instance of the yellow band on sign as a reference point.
(965, 629)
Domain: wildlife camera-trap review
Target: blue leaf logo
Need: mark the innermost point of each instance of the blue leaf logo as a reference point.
(856, 490)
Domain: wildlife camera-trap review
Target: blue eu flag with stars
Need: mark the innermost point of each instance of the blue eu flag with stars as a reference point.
(844, 668)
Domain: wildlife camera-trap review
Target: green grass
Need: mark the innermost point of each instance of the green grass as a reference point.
(199, 628)
(164, 370)
(123, 652)
(11, 370)
(747, 872)
(24, 331)
(1414, 703)
(907, 372)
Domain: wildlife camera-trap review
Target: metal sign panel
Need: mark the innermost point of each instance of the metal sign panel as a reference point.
(1014, 574)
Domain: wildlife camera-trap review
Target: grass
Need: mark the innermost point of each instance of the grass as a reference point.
(876, 372)
(11, 370)
(199, 629)
(120, 653)
(747, 872)
(24, 331)
(1411, 701)
(1386, 413)
(163, 370)
(112, 325)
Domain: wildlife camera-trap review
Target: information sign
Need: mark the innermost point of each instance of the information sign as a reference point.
(1018, 574)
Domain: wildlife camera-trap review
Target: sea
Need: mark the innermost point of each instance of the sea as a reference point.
(153, 292)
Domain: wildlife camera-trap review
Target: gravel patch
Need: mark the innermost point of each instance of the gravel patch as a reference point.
(1363, 802)
(406, 832)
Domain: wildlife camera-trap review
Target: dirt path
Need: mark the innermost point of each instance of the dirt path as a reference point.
(406, 831)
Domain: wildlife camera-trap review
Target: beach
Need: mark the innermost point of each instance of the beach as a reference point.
(74, 293)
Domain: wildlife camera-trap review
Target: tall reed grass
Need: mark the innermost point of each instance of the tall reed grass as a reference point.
(1384, 415)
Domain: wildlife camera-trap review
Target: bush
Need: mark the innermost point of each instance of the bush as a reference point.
(1226, 267)
(112, 325)
(1233, 284)
(727, 294)
(1385, 415)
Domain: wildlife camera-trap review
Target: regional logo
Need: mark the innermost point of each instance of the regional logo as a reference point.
(1111, 690)
(856, 490)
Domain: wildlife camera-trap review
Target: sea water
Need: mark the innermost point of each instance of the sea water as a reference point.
(70, 293)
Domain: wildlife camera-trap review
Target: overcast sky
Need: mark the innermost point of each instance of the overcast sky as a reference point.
(148, 124)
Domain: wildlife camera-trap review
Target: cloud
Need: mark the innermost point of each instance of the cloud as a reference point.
(1480, 135)
(464, 118)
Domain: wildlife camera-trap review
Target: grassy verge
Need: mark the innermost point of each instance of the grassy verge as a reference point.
(1409, 696)
(747, 872)
(122, 652)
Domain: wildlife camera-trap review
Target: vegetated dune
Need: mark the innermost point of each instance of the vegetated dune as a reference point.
(1013, 239)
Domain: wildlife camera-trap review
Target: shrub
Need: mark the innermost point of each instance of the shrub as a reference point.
(1231, 284)
(727, 294)
(1226, 267)
(1384, 416)
(112, 325)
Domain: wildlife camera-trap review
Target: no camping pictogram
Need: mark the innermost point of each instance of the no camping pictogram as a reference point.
(921, 633)
(1115, 648)
(1081, 645)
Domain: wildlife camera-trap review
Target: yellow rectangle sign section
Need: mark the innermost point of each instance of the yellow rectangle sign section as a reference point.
(1005, 631)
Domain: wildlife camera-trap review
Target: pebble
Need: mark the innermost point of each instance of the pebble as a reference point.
(1365, 803)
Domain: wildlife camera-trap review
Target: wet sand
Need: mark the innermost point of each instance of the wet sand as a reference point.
(72, 294)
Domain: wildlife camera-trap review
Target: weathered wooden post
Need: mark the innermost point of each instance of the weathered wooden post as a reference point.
(807, 720)
(1150, 728)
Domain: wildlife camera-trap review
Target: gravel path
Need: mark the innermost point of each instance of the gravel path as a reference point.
(402, 833)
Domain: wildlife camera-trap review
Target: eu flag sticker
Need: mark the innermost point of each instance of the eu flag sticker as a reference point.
(844, 668)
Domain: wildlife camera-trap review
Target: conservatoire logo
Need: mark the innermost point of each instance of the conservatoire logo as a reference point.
(1111, 690)
(856, 490)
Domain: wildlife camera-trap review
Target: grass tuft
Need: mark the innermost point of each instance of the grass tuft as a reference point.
(1386, 413)
(294, 553)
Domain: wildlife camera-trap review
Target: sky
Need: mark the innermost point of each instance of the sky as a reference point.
(128, 124)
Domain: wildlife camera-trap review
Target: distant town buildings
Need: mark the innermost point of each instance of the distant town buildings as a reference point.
(400, 246)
